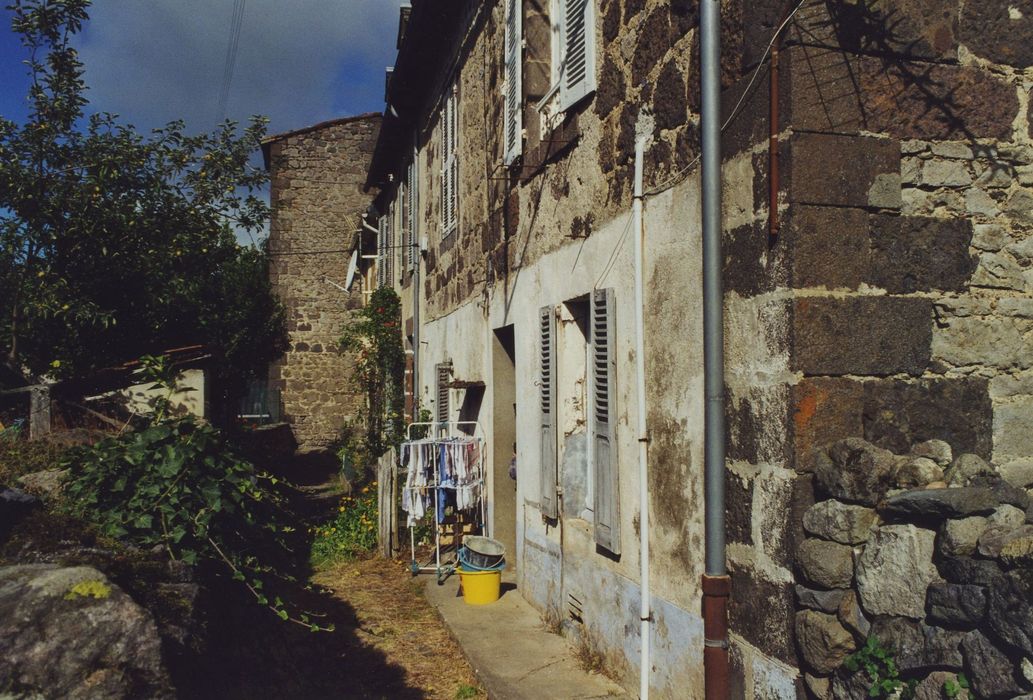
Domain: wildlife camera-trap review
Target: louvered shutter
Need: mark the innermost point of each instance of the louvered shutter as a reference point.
(382, 251)
(450, 164)
(406, 221)
(392, 249)
(513, 88)
(604, 421)
(453, 189)
(547, 396)
(577, 40)
(443, 372)
(412, 247)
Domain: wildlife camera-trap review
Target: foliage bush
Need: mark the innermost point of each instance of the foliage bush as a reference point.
(179, 485)
(877, 661)
(351, 533)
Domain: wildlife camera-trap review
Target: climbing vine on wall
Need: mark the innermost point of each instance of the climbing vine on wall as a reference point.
(375, 338)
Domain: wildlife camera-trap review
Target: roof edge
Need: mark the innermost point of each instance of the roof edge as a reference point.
(272, 138)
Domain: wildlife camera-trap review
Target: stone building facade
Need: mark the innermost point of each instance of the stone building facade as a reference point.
(318, 197)
(889, 300)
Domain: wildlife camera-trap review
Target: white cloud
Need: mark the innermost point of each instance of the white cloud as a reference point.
(299, 61)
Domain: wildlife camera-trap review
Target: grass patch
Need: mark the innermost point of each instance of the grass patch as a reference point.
(351, 533)
(466, 691)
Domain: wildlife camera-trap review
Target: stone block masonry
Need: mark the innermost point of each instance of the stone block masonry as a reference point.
(892, 308)
(318, 195)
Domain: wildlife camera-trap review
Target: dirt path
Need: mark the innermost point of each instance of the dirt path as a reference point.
(393, 617)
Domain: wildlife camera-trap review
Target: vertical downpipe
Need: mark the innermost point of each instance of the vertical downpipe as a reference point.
(640, 381)
(716, 583)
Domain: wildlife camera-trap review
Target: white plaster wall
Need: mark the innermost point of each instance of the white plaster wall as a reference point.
(551, 562)
(188, 398)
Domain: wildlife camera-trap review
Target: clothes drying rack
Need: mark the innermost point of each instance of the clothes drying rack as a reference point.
(446, 431)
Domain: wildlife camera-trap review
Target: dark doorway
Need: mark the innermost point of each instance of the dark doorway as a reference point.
(503, 430)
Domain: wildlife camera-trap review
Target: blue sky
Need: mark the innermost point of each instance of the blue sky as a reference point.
(150, 61)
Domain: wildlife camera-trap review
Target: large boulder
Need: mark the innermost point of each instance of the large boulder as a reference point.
(895, 570)
(841, 522)
(955, 604)
(918, 472)
(46, 484)
(824, 643)
(1003, 491)
(1010, 609)
(992, 674)
(1011, 546)
(826, 564)
(970, 571)
(962, 535)
(70, 632)
(855, 471)
(937, 504)
(936, 450)
(824, 601)
(918, 646)
(966, 467)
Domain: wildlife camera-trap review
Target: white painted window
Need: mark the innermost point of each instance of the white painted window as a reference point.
(573, 50)
(512, 88)
(449, 163)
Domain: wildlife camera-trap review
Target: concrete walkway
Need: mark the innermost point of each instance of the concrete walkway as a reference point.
(513, 655)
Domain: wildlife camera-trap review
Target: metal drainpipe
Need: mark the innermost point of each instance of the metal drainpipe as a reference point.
(645, 616)
(716, 583)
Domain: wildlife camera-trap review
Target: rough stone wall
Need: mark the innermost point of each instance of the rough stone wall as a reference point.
(893, 304)
(317, 196)
(926, 556)
(576, 169)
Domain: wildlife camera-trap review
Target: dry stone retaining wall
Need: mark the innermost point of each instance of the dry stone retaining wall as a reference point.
(932, 556)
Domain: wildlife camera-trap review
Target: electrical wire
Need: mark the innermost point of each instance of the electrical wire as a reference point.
(679, 176)
(236, 23)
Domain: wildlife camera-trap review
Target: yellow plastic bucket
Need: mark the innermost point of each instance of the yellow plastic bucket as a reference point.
(480, 587)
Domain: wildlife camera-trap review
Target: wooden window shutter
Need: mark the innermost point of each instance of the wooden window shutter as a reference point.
(443, 374)
(406, 222)
(411, 188)
(392, 247)
(382, 251)
(547, 396)
(577, 40)
(604, 421)
(449, 163)
(513, 88)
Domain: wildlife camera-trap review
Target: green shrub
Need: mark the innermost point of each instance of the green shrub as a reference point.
(351, 533)
(877, 661)
(179, 485)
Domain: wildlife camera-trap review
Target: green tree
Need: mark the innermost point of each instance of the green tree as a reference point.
(114, 244)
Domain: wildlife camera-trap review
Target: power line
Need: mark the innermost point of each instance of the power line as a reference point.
(236, 22)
